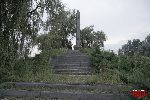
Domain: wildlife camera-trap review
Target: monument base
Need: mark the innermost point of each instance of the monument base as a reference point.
(77, 47)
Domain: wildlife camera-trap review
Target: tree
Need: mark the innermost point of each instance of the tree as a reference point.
(59, 29)
(136, 47)
(131, 48)
(99, 38)
(20, 23)
(16, 33)
(91, 39)
(134, 62)
(145, 47)
(87, 36)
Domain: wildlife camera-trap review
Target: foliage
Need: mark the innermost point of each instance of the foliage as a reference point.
(60, 28)
(91, 39)
(102, 60)
(134, 62)
(87, 51)
(20, 23)
(136, 47)
(129, 69)
(32, 68)
(135, 69)
(16, 32)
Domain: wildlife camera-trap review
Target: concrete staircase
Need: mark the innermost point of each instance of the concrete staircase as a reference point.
(74, 63)
(45, 91)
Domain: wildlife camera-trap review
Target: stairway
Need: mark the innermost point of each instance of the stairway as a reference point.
(73, 63)
(45, 91)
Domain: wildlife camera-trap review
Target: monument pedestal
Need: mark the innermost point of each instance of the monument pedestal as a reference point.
(77, 47)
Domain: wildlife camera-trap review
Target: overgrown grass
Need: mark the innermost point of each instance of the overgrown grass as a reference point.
(37, 69)
(47, 76)
(106, 77)
(89, 51)
(31, 69)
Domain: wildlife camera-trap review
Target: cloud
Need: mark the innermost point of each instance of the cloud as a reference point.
(121, 20)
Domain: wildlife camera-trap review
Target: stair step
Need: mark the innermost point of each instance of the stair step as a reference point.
(71, 59)
(74, 65)
(97, 88)
(72, 70)
(75, 73)
(71, 67)
(102, 86)
(63, 95)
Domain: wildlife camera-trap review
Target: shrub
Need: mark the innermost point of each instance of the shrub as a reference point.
(31, 68)
(103, 59)
(135, 69)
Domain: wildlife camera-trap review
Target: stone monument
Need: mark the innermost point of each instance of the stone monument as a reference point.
(77, 46)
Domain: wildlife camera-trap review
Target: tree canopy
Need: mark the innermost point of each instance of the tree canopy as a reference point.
(136, 47)
(91, 39)
(20, 23)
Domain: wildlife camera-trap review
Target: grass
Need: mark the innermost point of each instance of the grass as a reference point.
(40, 72)
(74, 90)
(49, 77)
(102, 78)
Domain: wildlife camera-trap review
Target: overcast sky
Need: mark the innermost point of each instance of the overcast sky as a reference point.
(121, 20)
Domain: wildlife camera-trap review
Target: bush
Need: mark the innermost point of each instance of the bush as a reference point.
(103, 59)
(31, 68)
(135, 69)
(130, 69)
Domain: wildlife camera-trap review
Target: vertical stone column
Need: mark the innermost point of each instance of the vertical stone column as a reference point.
(78, 29)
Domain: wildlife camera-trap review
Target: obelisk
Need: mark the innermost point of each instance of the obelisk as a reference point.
(78, 30)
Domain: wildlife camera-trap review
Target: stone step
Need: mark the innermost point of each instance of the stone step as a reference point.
(75, 73)
(70, 58)
(107, 88)
(86, 88)
(70, 63)
(72, 70)
(73, 65)
(63, 95)
(76, 55)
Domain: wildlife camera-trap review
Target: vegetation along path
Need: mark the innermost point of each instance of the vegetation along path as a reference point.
(72, 64)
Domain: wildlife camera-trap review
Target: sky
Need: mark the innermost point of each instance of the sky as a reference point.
(121, 20)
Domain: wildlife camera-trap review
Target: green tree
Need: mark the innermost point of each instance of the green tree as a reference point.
(92, 39)
(62, 27)
(87, 36)
(99, 38)
(20, 22)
